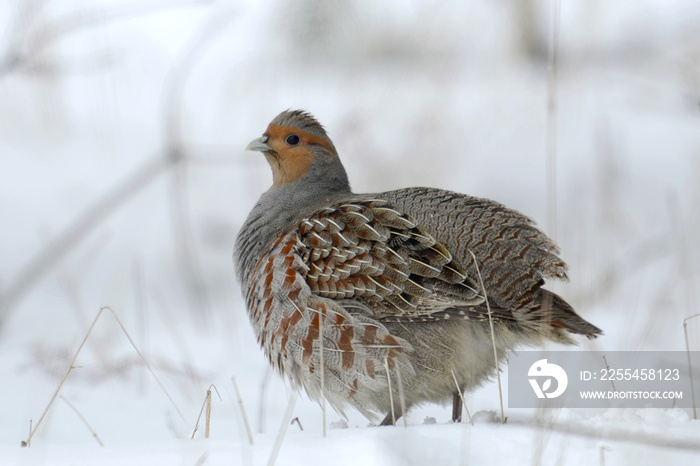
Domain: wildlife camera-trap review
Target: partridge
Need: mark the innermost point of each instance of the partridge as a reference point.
(374, 300)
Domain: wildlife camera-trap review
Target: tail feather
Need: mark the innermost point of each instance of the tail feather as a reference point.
(548, 314)
(551, 311)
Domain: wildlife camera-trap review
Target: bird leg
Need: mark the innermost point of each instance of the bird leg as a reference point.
(388, 421)
(456, 407)
(456, 412)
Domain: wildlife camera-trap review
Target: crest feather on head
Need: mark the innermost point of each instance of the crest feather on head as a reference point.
(302, 120)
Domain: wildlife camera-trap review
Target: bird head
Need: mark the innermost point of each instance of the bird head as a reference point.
(298, 150)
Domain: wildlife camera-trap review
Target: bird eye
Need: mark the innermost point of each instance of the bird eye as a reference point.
(292, 140)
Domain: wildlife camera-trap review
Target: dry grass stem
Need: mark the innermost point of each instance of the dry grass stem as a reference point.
(601, 454)
(189, 267)
(391, 396)
(283, 430)
(323, 378)
(461, 396)
(240, 404)
(60, 384)
(690, 366)
(28, 443)
(199, 418)
(202, 459)
(143, 359)
(141, 312)
(607, 366)
(493, 337)
(72, 364)
(402, 398)
(552, 120)
(71, 286)
(82, 418)
(543, 433)
(207, 419)
(263, 399)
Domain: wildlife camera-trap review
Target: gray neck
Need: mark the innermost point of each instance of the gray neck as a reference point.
(277, 210)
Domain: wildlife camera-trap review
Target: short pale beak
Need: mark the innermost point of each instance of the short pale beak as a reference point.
(259, 145)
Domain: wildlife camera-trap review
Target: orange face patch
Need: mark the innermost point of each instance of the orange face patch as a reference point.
(290, 163)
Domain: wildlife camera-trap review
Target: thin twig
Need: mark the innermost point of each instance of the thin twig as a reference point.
(177, 152)
(206, 404)
(493, 337)
(552, 121)
(263, 399)
(690, 366)
(240, 403)
(54, 31)
(55, 250)
(607, 366)
(141, 312)
(60, 384)
(82, 418)
(543, 418)
(638, 258)
(190, 266)
(286, 421)
(391, 396)
(402, 398)
(601, 454)
(202, 459)
(143, 359)
(199, 418)
(322, 371)
(461, 396)
(71, 285)
(75, 357)
(208, 420)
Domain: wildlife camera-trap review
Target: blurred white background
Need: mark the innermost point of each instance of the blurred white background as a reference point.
(124, 180)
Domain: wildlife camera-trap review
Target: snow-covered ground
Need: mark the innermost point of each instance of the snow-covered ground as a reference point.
(95, 97)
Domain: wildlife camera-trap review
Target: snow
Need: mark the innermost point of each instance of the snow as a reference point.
(448, 444)
(412, 94)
